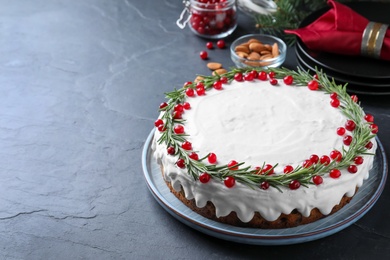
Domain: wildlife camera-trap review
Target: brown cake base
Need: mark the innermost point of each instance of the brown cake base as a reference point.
(284, 221)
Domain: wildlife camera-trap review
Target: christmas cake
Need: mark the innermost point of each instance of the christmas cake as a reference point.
(264, 148)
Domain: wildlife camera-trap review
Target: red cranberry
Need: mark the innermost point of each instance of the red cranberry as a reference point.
(312, 85)
(229, 181)
(171, 150)
(254, 73)
(307, 163)
(273, 81)
(288, 80)
(358, 160)
(314, 158)
(158, 122)
(369, 118)
(335, 173)
(177, 115)
(352, 168)
(221, 44)
(288, 168)
(317, 179)
(336, 155)
(249, 77)
(369, 145)
(264, 185)
(262, 75)
(186, 145)
(333, 95)
(325, 160)
(232, 165)
(212, 158)
(217, 85)
(200, 90)
(347, 140)
(268, 169)
(203, 55)
(190, 92)
(163, 105)
(238, 77)
(194, 156)
(224, 80)
(341, 131)
(335, 103)
(374, 128)
(161, 128)
(204, 177)
(350, 125)
(186, 105)
(181, 163)
(178, 108)
(294, 184)
(178, 129)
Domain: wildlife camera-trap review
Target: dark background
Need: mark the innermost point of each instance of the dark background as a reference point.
(80, 83)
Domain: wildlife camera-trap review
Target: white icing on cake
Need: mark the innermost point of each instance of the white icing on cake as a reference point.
(256, 123)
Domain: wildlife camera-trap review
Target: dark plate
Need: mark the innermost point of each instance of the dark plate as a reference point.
(361, 203)
(368, 84)
(357, 80)
(359, 67)
(360, 88)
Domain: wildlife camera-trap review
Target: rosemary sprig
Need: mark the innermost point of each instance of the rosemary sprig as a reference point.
(248, 175)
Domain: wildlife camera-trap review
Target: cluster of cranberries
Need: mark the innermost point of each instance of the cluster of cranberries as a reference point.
(213, 17)
(177, 113)
(193, 89)
(350, 126)
(262, 75)
(209, 45)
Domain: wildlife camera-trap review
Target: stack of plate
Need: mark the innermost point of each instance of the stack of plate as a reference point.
(363, 75)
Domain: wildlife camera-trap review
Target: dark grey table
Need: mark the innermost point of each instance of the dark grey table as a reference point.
(80, 83)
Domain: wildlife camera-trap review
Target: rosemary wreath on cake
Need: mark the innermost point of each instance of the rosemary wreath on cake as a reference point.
(171, 127)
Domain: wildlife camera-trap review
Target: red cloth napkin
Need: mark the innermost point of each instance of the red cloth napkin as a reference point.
(340, 31)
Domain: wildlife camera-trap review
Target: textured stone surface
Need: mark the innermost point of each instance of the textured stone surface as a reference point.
(80, 82)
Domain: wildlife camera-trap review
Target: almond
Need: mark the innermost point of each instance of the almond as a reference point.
(266, 57)
(253, 40)
(252, 63)
(265, 52)
(214, 65)
(264, 63)
(242, 48)
(198, 78)
(254, 56)
(275, 50)
(268, 47)
(257, 47)
(242, 54)
(219, 72)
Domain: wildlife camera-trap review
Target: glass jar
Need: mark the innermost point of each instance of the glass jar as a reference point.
(211, 18)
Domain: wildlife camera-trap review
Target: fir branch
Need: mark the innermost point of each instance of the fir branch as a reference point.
(288, 15)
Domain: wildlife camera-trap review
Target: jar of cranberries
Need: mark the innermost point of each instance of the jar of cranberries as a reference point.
(210, 18)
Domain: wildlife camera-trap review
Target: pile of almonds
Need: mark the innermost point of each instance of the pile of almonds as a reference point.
(256, 53)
